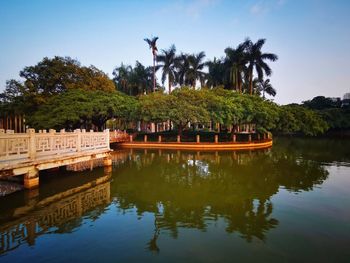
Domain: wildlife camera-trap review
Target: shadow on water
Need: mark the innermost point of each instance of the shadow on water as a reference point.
(180, 189)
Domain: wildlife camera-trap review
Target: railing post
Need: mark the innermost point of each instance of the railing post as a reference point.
(198, 138)
(130, 138)
(32, 146)
(77, 131)
(178, 138)
(216, 138)
(145, 138)
(258, 136)
(52, 138)
(249, 138)
(5, 142)
(159, 138)
(106, 132)
(234, 138)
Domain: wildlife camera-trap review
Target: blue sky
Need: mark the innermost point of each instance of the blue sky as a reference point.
(311, 37)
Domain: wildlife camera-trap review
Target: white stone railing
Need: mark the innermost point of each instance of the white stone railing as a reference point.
(32, 145)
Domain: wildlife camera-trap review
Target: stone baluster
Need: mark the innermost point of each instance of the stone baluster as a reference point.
(32, 146)
(52, 133)
(78, 141)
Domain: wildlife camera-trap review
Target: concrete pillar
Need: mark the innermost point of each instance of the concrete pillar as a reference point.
(107, 161)
(234, 138)
(145, 138)
(159, 138)
(15, 121)
(31, 179)
(216, 138)
(178, 138)
(198, 138)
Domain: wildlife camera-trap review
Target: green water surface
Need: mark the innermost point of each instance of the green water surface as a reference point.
(290, 203)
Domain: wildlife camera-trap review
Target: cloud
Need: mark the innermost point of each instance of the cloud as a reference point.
(192, 9)
(264, 6)
(196, 7)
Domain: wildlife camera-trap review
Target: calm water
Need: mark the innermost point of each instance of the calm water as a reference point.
(287, 204)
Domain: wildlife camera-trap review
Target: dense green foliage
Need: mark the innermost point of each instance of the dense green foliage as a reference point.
(82, 109)
(48, 78)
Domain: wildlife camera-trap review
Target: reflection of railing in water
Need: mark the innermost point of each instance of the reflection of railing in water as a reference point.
(58, 209)
(240, 157)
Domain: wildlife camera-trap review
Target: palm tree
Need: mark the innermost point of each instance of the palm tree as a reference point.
(122, 77)
(153, 46)
(256, 59)
(141, 78)
(196, 65)
(235, 62)
(168, 60)
(265, 86)
(215, 74)
(182, 66)
(246, 87)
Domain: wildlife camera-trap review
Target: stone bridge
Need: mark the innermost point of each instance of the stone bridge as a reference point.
(28, 153)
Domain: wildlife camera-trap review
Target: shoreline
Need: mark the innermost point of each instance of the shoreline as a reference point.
(199, 146)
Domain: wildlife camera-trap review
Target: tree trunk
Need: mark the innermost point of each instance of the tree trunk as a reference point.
(179, 130)
(154, 72)
(237, 83)
(251, 81)
(240, 85)
(169, 82)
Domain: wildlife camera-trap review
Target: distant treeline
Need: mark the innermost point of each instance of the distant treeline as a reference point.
(60, 93)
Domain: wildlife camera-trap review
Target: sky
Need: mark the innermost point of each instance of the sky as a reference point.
(310, 37)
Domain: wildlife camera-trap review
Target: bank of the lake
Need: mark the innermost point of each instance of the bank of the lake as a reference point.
(288, 203)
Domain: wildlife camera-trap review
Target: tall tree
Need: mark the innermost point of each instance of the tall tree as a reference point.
(182, 66)
(168, 60)
(134, 80)
(265, 86)
(195, 71)
(152, 43)
(256, 60)
(122, 78)
(216, 72)
(235, 63)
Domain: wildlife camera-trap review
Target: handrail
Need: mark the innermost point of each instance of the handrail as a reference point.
(31, 145)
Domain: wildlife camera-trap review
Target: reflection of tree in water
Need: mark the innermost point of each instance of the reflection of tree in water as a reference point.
(191, 190)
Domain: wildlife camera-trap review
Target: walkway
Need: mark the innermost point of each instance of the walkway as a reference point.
(28, 153)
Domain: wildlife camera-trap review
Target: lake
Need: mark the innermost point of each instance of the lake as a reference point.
(290, 203)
